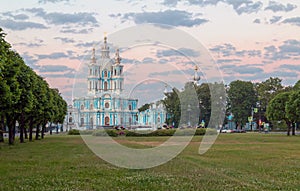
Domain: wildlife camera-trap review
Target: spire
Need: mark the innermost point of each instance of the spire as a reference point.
(93, 58)
(117, 57)
(196, 78)
(105, 48)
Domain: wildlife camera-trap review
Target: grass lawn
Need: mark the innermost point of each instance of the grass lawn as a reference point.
(235, 162)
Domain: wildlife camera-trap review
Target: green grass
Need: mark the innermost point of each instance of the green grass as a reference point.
(235, 162)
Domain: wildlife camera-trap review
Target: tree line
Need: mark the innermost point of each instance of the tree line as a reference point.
(271, 101)
(26, 98)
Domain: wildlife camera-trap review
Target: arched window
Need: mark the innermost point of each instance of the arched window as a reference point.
(158, 119)
(129, 107)
(96, 72)
(82, 107)
(130, 120)
(70, 120)
(105, 86)
(115, 72)
(105, 73)
(91, 71)
(91, 106)
(106, 105)
(106, 120)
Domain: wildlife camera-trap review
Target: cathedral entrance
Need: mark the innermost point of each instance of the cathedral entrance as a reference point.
(106, 120)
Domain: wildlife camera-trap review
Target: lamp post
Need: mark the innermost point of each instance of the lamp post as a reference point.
(189, 110)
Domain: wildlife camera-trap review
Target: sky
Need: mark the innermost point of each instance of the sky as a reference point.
(248, 40)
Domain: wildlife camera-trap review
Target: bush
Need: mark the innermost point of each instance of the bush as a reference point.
(108, 132)
(73, 132)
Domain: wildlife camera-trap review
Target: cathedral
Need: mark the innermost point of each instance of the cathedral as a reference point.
(104, 105)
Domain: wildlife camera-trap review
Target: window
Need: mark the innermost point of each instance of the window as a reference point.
(82, 107)
(158, 119)
(91, 71)
(115, 85)
(115, 72)
(129, 107)
(105, 73)
(70, 120)
(91, 106)
(106, 105)
(106, 120)
(81, 121)
(105, 86)
(90, 86)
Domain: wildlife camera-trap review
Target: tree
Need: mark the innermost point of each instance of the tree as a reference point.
(242, 98)
(276, 110)
(267, 90)
(293, 108)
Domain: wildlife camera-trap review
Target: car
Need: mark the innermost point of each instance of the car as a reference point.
(226, 131)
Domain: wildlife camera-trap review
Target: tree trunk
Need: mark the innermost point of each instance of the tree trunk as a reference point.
(294, 129)
(21, 128)
(43, 130)
(37, 132)
(2, 129)
(21, 134)
(30, 129)
(25, 133)
(10, 123)
(288, 128)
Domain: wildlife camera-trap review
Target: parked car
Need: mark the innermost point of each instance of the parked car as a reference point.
(226, 131)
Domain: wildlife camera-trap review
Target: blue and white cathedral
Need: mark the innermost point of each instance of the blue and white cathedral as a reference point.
(104, 105)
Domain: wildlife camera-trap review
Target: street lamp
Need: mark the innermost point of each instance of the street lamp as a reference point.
(189, 110)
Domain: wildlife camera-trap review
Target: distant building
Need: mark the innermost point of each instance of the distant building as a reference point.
(155, 116)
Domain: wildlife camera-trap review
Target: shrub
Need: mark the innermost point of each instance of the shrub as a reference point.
(108, 132)
(73, 132)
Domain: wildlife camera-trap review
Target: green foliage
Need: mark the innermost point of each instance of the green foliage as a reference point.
(73, 132)
(276, 107)
(242, 97)
(267, 90)
(107, 132)
(144, 107)
(293, 107)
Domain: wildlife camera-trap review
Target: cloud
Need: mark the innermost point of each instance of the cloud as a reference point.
(293, 21)
(171, 3)
(221, 61)
(55, 68)
(275, 19)
(257, 21)
(65, 40)
(15, 17)
(290, 49)
(180, 52)
(226, 50)
(277, 7)
(66, 18)
(77, 31)
(168, 17)
(290, 67)
(20, 25)
(243, 69)
(30, 60)
(245, 6)
(148, 60)
(55, 55)
(57, 18)
(52, 1)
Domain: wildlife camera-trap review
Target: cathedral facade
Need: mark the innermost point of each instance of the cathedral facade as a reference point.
(104, 104)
